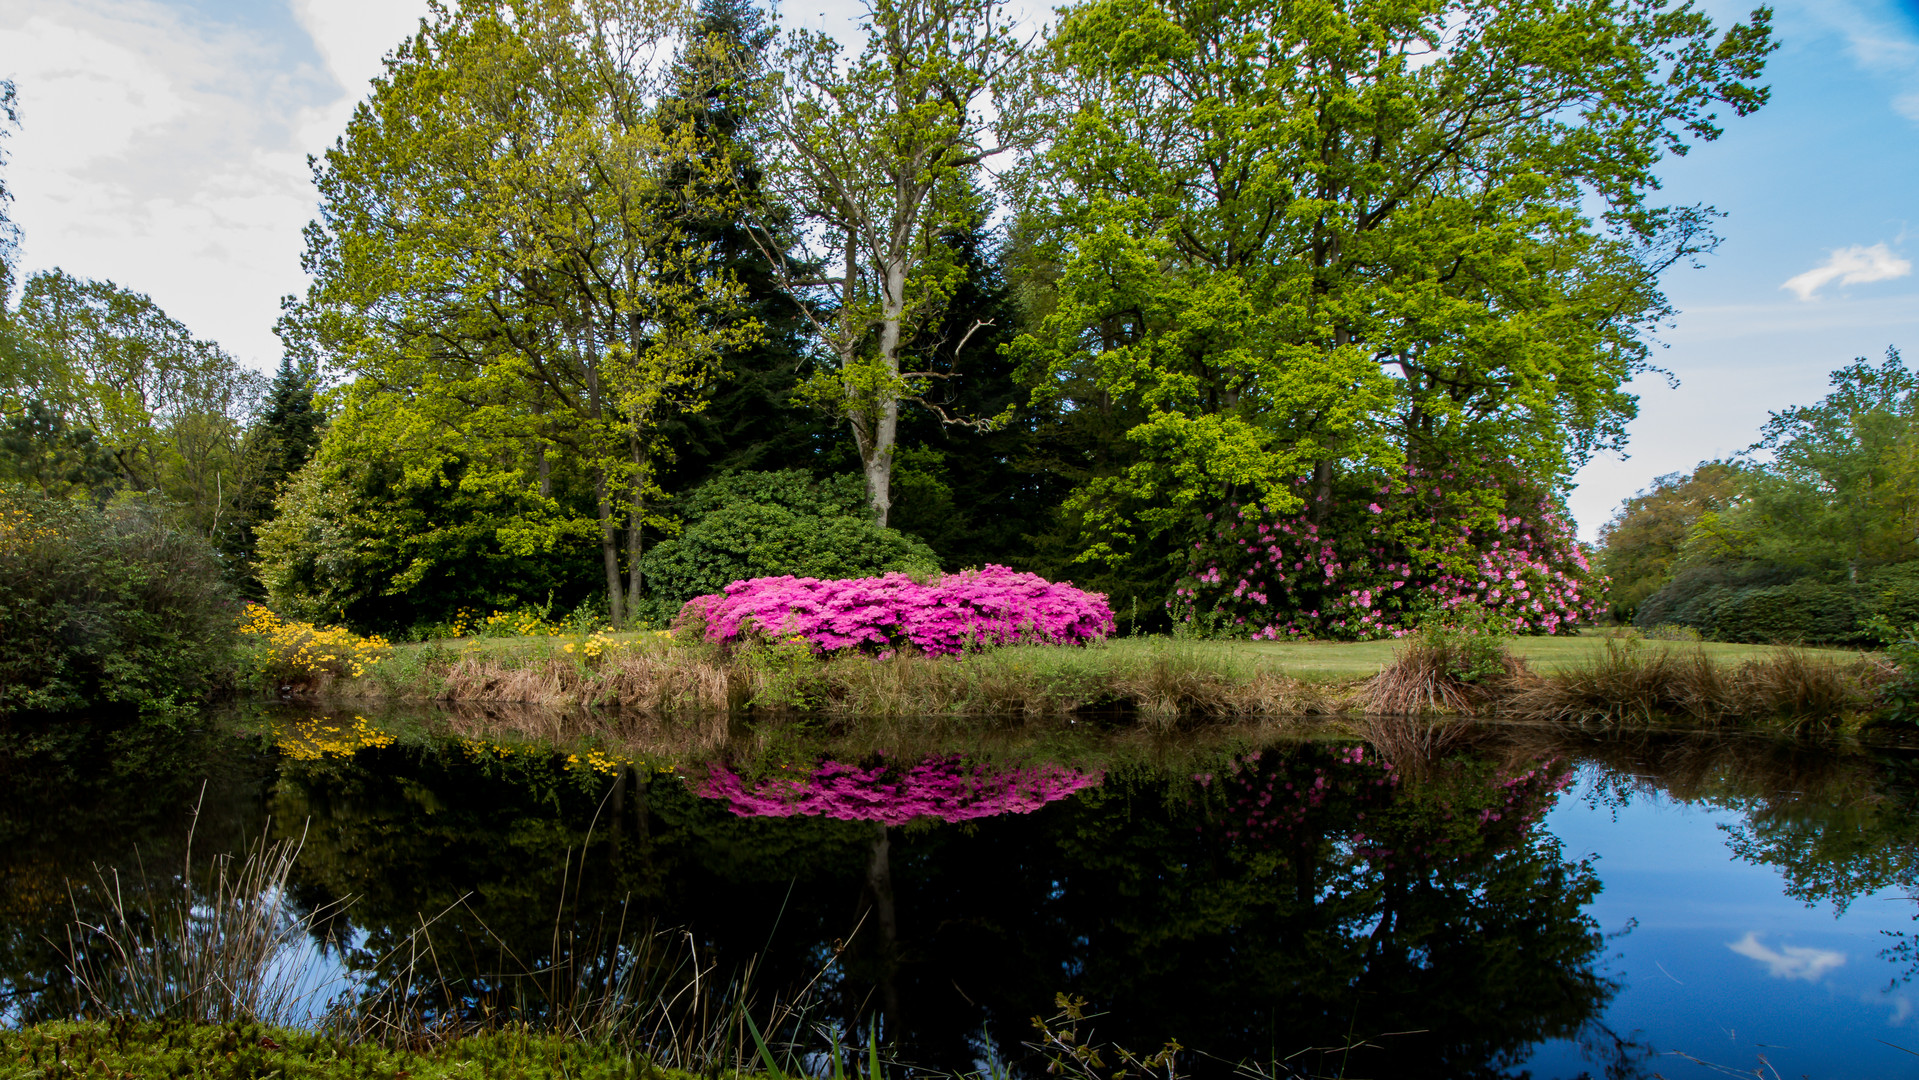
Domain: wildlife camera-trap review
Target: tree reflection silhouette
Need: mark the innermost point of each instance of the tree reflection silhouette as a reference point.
(1295, 897)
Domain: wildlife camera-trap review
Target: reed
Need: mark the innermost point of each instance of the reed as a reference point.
(222, 945)
(213, 946)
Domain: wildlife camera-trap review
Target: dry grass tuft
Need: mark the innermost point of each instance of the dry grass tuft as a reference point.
(1444, 672)
(1630, 682)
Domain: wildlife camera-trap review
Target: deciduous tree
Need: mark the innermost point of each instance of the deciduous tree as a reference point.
(1389, 233)
(877, 154)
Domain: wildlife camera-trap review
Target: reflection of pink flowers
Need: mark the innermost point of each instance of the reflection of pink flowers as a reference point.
(946, 788)
(993, 606)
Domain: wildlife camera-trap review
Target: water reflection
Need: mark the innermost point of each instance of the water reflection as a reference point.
(943, 788)
(1400, 903)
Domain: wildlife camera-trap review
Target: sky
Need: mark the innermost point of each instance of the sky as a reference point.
(164, 143)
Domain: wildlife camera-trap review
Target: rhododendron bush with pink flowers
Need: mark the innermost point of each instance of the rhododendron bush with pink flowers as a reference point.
(947, 615)
(1380, 561)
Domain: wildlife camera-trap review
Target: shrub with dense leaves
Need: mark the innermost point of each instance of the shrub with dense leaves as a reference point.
(1764, 604)
(947, 788)
(106, 607)
(1383, 561)
(991, 606)
(762, 524)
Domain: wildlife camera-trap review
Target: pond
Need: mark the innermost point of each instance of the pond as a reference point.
(1492, 901)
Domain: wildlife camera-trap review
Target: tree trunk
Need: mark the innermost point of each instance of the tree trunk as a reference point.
(876, 450)
(879, 884)
(636, 523)
(610, 551)
(609, 546)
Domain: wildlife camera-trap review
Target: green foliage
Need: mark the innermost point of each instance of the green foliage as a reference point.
(9, 232)
(1756, 603)
(879, 155)
(1279, 241)
(1901, 641)
(106, 607)
(169, 411)
(747, 525)
(395, 523)
(1645, 538)
(1475, 645)
(40, 449)
(1841, 492)
(284, 438)
(750, 420)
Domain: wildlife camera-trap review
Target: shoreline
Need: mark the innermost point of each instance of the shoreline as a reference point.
(1153, 682)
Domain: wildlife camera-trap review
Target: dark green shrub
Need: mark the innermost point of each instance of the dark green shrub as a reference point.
(764, 524)
(1767, 605)
(1892, 592)
(106, 607)
(1806, 610)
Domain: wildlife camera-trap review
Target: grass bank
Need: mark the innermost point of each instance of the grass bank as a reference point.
(1151, 681)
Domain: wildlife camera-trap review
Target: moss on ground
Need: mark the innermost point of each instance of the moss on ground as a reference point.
(164, 1050)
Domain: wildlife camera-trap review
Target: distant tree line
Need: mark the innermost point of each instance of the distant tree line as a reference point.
(611, 302)
(1810, 535)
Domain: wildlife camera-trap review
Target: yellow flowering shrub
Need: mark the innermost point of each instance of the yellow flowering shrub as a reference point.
(518, 624)
(321, 737)
(600, 643)
(299, 651)
(18, 527)
(526, 622)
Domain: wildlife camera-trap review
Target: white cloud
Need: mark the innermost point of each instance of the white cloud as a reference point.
(166, 151)
(1789, 961)
(1855, 265)
(354, 37)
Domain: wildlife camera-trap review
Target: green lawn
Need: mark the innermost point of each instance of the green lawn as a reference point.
(1313, 659)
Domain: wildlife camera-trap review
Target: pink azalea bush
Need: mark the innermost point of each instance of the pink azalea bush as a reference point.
(992, 606)
(1385, 560)
(947, 788)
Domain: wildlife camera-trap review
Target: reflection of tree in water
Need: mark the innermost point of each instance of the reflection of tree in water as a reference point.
(1277, 901)
(1835, 826)
(75, 793)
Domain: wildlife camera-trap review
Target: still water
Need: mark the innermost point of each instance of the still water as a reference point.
(1506, 902)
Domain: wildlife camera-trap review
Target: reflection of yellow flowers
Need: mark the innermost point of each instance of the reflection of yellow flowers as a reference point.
(597, 760)
(303, 649)
(320, 737)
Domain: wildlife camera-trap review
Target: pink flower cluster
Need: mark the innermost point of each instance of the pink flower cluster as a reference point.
(946, 788)
(993, 606)
(1272, 577)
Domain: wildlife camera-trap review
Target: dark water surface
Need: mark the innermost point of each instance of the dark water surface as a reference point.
(1514, 901)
